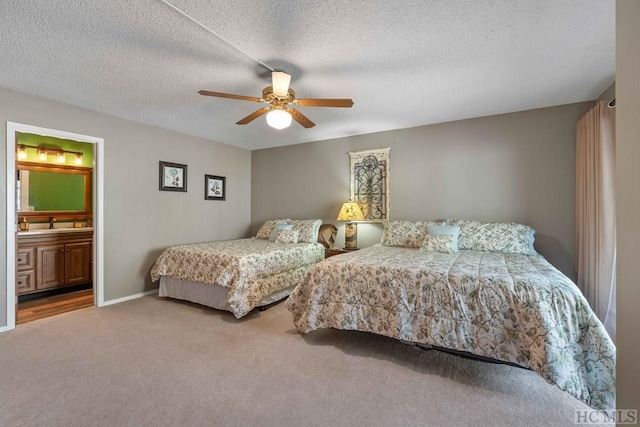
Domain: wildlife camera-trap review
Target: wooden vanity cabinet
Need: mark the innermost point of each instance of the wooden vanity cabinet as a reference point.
(58, 259)
(26, 276)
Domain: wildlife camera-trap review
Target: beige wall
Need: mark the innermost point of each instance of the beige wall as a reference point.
(628, 201)
(140, 220)
(512, 167)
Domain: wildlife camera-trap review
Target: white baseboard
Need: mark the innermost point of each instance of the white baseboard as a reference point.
(5, 329)
(130, 297)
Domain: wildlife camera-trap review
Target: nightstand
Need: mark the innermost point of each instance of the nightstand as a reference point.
(337, 251)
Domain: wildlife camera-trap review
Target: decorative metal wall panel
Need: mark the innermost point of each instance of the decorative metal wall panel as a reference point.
(370, 182)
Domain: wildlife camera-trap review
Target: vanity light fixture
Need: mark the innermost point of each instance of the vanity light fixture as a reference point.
(43, 152)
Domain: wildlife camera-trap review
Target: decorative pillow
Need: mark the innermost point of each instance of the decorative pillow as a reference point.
(409, 234)
(308, 229)
(327, 235)
(288, 236)
(277, 228)
(265, 230)
(446, 230)
(442, 243)
(510, 238)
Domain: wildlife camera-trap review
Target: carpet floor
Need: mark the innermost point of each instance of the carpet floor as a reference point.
(162, 362)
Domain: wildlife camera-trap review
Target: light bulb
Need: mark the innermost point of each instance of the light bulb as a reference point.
(22, 152)
(42, 155)
(278, 119)
(60, 157)
(78, 158)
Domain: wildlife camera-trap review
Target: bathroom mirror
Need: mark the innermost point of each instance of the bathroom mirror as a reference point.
(53, 190)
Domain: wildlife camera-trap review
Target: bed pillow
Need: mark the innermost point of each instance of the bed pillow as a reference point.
(445, 230)
(265, 230)
(277, 228)
(288, 236)
(408, 234)
(308, 229)
(327, 235)
(441, 243)
(508, 238)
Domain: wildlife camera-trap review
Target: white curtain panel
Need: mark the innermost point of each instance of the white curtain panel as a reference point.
(596, 212)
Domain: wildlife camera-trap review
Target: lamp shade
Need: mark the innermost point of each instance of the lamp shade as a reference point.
(281, 82)
(350, 211)
(278, 119)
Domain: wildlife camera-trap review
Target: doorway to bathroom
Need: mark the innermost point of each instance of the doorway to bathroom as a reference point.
(54, 212)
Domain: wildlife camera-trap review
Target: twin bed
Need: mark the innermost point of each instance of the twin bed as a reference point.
(466, 286)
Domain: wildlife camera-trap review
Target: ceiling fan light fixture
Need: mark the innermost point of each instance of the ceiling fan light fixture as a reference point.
(280, 81)
(278, 119)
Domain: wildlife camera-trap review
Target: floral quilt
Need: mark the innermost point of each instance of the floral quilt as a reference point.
(510, 307)
(245, 266)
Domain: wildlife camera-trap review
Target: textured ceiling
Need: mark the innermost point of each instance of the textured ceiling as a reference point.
(404, 63)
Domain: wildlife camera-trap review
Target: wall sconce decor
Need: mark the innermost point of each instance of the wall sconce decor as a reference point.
(350, 211)
(370, 182)
(43, 153)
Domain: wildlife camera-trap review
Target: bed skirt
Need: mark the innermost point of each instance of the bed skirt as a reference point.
(214, 296)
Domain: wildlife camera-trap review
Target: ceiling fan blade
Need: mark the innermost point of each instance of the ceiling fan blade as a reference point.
(346, 103)
(300, 118)
(230, 96)
(251, 117)
(280, 83)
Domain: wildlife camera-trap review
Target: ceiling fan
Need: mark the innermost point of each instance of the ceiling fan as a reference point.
(281, 97)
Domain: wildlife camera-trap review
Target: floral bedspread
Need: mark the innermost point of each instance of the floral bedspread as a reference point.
(513, 308)
(245, 266)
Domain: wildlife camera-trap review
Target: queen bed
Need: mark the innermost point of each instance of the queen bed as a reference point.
(242, 274)
(466, 286)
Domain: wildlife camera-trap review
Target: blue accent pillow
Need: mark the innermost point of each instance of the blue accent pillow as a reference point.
(446, 230)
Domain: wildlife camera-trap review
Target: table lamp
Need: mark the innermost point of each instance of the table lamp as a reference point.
(349, 212)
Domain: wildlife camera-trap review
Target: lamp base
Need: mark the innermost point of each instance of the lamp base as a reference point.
(351, 236)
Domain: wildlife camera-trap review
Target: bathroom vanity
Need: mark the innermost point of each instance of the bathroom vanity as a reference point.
(53, 258)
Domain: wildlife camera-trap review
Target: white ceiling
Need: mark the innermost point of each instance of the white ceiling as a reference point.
(404, 63)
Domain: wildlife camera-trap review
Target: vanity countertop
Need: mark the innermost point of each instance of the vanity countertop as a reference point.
(54, 231)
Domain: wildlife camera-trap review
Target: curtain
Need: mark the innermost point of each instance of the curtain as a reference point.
(596, 212)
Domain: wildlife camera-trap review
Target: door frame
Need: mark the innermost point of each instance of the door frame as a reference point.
(12, 223)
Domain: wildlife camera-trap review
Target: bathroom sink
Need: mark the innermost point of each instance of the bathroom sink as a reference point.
(54, 230)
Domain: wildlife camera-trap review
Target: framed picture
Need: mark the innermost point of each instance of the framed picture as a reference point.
(173, 177)
(215, 187)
